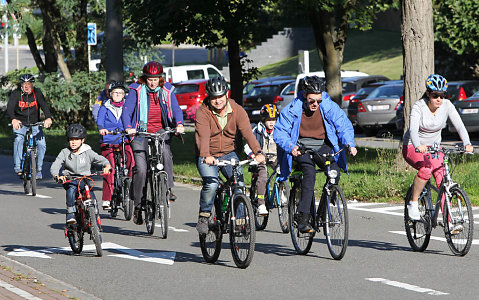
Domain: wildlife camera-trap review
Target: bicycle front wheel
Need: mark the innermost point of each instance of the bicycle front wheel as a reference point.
(336, 225)
(418, 232)
(33, 170)
(282, 202)
(163, 207)
(242, 231)
(150, 206)
(301, 241)
(459, 222)
(210, 243)
(128, 204)
(75, 238)
(95, 231)
(27, 184)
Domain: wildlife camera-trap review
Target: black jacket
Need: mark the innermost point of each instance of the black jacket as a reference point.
(26, 108)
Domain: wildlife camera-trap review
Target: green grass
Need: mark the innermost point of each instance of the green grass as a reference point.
(375, 52)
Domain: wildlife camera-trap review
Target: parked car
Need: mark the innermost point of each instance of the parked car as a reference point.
(468, 109)
(248, 87)
(460, 90)
(190, 72)
(321, 74)
(378, 110)
(263, 94)
(286, 96)
(351, 85)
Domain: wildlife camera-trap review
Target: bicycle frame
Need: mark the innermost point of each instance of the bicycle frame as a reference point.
(29, 146)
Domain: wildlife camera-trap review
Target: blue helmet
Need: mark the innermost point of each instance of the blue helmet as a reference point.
(436, 83)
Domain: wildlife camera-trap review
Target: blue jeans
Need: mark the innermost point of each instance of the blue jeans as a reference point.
(210, 176)
(72, 192)
(18, 146)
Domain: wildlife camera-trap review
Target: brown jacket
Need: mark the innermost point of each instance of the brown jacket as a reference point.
(211, 140)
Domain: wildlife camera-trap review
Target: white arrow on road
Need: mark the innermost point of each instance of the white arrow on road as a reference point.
(159, 257)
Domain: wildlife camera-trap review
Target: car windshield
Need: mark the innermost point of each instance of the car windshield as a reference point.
(365, 90)
(186, 88)
(386, 91)
(265, 90)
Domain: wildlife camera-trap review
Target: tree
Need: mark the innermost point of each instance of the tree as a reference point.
(331, 20)
(214, 23)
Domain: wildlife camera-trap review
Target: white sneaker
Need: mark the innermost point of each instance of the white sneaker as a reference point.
(455, 229)
(106, 205)
(413, 211)
(262, 211)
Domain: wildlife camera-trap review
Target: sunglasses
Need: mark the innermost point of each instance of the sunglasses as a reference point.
(438, 95)
(311, 101)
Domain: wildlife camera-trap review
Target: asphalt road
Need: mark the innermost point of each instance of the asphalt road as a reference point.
(378, 264)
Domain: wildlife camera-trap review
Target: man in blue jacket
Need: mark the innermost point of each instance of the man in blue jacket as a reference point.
(318, 123)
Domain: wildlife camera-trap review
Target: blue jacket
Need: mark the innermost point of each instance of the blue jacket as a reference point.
(107, 120)
(171, 113)
(339, 131)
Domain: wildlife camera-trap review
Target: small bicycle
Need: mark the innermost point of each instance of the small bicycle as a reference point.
(86, 215)
(331, 213)
(457, 216)
(122, 182)
(232, 213)
(276, 196)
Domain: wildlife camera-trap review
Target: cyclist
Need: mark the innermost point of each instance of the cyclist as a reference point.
(263, 132)
(109, 119)
(24, 108)
(218, 121)
(150, 106)
(100, 99)
(428, 117)
(77, 159)
(318, 123)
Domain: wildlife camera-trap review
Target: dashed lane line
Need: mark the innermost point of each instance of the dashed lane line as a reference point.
(408, 286)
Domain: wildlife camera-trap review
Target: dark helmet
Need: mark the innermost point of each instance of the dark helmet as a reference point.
(312, 85)
(27, 78)
(117, 85)
(216, 86)
(153, 69)
(436, 83)
(76, 131)
(269, 111)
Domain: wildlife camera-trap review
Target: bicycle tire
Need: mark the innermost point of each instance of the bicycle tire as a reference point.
(242, 233)
(301, 241)
(282, 202)
(461, 211)
(163, 205)
(150, 207)
(259, 221)
(210, 243)
(336, 225)
(114, 203)
(95, 230)
(418, 232)
(25, 172)
(75, 238)
(127, 203)
(33, 171)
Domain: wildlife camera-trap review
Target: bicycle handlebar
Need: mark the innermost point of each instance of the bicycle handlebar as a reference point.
(71, 178)
(437, 148)
(234, 162)
(303, 149)
(29, 125)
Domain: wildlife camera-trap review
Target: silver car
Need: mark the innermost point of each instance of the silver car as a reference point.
(378, 110)
(287, 95)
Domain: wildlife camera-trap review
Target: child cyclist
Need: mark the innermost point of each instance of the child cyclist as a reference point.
(109, 119)
(77, 159)
(263, 132)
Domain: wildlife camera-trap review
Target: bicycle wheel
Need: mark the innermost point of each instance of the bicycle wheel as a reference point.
(210, 243)
(25, 175)
(336, 225)
(114, 203)
(150, 207)
(260, 221)
(301, 241)
(95, 231)
(33, 171)
(418, 232)
(459, 222)
(75, 238)
(163, 209)
(242, 232)
(282, 201)
(127, 203)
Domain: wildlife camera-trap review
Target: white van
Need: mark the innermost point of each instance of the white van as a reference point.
(321, 75)
(189, 72)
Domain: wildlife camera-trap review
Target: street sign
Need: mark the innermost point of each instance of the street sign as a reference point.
(91, 36)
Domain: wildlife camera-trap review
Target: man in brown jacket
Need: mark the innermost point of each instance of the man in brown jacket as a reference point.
(217, 123)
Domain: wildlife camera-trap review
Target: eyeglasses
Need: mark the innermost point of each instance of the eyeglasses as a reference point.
(311, 100)
(438, 95)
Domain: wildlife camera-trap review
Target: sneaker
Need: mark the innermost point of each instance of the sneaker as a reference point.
(18, 172)
(39, 176)
(413, 211)
(106, 204)
(202, 225)
(137, 216)
(455, 229)
(70, 219)
(172, 196)
(303, 223)
(262, 211)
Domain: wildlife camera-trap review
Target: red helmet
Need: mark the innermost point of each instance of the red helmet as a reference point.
(153, 69)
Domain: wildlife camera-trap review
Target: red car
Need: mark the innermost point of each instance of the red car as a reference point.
(190, 95)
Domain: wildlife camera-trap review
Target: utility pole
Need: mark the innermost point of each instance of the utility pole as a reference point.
(114, 40)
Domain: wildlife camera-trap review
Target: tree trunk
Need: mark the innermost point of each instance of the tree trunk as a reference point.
(418, 50)
(236, 78)
(81, 50)
(114, 41)
(34, 49)
(51, 64)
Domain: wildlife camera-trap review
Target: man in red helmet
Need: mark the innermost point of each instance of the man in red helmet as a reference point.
(150, 106)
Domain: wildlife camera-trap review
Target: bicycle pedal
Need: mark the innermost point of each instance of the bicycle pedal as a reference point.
(440, 223)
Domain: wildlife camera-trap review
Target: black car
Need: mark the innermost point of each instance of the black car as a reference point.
(248, 87)
(261, 94)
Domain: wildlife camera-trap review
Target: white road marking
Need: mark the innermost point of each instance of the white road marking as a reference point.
(42, 196)
(17, 291)
(407, 286)
(474, 242)
(175, 229)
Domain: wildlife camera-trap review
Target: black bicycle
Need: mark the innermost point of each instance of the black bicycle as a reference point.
(86, 215)
(122, 181)
(457, 216)
(232, 213)
(331, 213)
(276, 196)
(156, 206)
